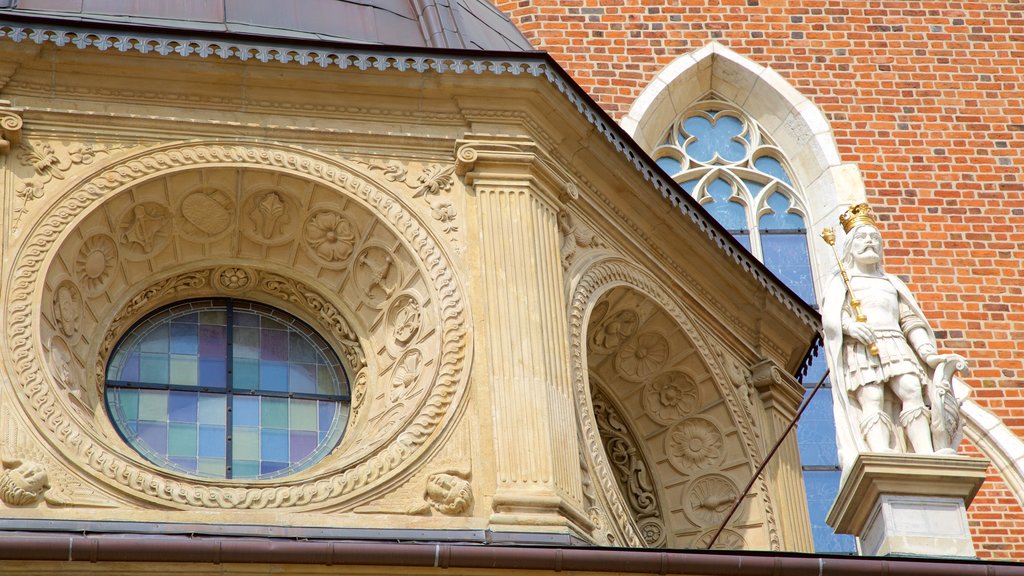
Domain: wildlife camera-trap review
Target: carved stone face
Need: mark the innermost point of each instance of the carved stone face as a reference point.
(864, 245)
(24, 484)
(449, 494)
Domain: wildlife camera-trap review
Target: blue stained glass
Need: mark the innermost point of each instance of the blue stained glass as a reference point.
(213, 341)
(212, 409)
(155, 340)
(743, 239)
(302, 378)
(128, 403)
(816, 432)
(822, 487)
(689, 185)
(722, 137)
(186, 464)
(184, 339)
(786, 256)
(154, 435)
(246, 410)
(780, 218)
(274, 445)
(754, 187)
(274, 376)
(182, 406)
(326, 411)
(669, 164)
(772, 167)
(245, 468)
(730, 214)
(212, 372)
(211, 442)
(271, 467)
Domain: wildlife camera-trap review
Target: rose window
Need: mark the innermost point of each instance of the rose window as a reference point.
(227, 389)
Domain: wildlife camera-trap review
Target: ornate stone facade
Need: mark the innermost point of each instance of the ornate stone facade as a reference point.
(503, 304)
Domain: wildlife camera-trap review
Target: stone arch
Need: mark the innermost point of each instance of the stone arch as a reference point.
(185, 220)
(610, 380)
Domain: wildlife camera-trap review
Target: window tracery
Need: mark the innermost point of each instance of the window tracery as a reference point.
(727, 162)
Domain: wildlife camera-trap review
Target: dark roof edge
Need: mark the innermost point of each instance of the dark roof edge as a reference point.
(157, 549)
(366, 56)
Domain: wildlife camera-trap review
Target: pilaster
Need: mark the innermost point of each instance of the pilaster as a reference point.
(525, 335)
(780, 396)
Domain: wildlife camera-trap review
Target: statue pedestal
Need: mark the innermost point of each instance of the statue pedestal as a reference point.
(909, 504)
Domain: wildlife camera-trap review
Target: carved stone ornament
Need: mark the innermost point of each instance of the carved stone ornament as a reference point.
(60, 363)
(694, 443)
(612, 333)
(575, 236)
(449, 493)
(10, 126)
(22, 483)
(95, 263)
(670, 397)
(269, 217)
(330, 237)
(234, 278)
(727, 540)
(145, 229)
(641, 358)
(406, 373)
(594, 281)
(404, 318)
(140, 230)
(67, 309)
(709, 498)
(206, 213)
(631, 470)
(49, 164)
(377, 275)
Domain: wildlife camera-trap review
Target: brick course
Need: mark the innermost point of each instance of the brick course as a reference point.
(925, 97)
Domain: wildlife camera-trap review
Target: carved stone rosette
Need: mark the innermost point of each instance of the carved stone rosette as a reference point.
(367, 275)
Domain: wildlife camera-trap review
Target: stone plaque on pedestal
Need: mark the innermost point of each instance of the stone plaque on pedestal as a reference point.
(909, 504)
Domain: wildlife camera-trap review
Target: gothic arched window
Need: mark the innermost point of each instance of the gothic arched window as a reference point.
(726, 161)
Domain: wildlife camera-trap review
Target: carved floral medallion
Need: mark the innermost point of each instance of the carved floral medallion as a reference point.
(694, 443)
(67, 309)
(670, 397)
(206, 213)
(640, 358)
(330, 237)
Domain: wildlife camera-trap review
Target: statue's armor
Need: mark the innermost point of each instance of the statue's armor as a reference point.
(891, 320)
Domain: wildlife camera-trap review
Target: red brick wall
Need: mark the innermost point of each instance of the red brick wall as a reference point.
(926, 97)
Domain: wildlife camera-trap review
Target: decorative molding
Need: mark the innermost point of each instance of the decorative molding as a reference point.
(36, 392)
(575, 235)
(631, 470)
(48, 163)
(10, 126)
(381, 60)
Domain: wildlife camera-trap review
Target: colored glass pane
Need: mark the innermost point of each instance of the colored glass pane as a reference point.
(729, 213)
(669, 164)
(240, 411)
(822, 487)
(772, 167)
(714, 140)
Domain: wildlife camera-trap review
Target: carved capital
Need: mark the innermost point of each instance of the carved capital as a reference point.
(779, 391)
(513, 162)
(10, 126)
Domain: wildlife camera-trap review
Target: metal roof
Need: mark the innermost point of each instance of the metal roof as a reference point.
(458, 24)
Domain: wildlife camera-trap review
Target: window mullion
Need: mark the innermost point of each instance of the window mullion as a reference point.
(229, 363)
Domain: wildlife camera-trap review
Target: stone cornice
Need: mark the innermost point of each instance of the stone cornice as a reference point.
(364, 58)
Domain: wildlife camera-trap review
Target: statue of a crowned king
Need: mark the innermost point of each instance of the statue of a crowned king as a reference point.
(892, 390)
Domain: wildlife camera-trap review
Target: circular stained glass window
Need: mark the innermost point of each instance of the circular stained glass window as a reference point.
(227, 389)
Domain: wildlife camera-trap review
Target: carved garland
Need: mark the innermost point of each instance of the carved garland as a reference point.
(39, 394)
(600, 277)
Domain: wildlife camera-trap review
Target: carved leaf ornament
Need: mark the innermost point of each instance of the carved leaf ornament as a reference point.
(146, 228)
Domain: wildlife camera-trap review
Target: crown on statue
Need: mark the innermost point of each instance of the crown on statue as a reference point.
(855, 216)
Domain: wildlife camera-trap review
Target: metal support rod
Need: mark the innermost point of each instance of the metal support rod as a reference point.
(767, 459)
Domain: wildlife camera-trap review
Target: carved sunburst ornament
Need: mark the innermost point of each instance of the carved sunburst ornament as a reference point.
(95, 263)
